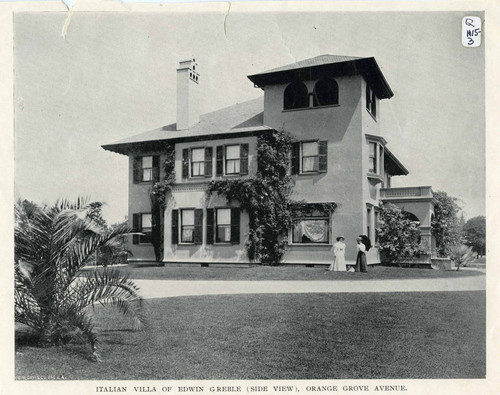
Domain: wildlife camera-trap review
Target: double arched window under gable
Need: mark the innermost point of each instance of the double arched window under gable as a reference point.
(295, 96)
(326, 92)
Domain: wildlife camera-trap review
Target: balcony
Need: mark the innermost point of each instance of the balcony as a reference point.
(406, 193)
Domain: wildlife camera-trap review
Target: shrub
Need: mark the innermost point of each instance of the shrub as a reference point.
(398, 235)
(461, 255)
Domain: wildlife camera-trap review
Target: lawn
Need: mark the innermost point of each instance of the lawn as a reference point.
(284, 336)
(261, 273)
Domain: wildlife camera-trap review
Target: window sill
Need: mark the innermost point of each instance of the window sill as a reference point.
(376, 178)
(371, 115)
(310, 108)
(224, 244)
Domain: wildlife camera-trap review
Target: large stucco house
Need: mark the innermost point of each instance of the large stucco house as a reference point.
(331, 105)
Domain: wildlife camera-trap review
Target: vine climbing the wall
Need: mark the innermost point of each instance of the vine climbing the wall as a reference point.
(266, 197)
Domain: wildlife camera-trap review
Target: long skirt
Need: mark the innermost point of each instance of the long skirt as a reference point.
(361, 262)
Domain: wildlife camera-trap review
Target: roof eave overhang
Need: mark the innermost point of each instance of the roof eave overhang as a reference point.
(367, 67)
(391, 160)
(158, 145)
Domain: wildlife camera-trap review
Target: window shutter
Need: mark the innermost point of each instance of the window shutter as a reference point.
(137, 169)
(185, 163)
(322, 156)
(136, 227)
(368, 97)
(175, 226)
(374, 105)
(220, 160)
(296, 158)
(235, 225)
(156, 168)
(208, 161)
(210, 226)
(244, 159)
(198, 226)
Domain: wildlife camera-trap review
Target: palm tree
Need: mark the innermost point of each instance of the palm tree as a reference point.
(52, 244)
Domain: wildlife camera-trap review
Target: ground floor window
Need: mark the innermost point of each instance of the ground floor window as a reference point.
(311, 230)
(223, 225)
(143, 224)
(187, 226)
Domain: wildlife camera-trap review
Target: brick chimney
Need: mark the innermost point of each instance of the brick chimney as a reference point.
(188, 99)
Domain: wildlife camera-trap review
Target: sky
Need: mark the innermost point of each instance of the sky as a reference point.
(114, 75)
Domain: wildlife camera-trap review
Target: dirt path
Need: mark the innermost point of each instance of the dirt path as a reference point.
(171, 288)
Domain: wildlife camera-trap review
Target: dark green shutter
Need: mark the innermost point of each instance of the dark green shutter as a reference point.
(244, 159)
(156, 168)
(137, 169)
(322, 156)
(198, 226)
(296, 158)
(175, 226)
(235, 225)
(208, 161)
(136, 227)
(185, 163)
(220, 160)
(210, 226)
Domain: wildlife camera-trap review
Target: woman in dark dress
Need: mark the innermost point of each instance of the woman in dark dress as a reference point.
(361, 257)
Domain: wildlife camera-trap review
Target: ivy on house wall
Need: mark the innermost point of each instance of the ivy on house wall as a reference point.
(266, 198)
(158, 195)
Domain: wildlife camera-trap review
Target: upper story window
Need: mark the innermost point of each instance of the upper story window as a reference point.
(197, 162)
(146, 168)
(371, 101)
(233, 153)
(295, 96)
(309, 157)
(326, 92)
(232, 159)
(373, 158)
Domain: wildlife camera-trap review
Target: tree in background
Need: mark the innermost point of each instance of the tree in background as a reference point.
(398, 235)
(52, 244)
(474, 232)
(446, 223)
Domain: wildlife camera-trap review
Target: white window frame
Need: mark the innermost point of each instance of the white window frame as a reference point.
(217, 225)
(182, 226)
(232, 159)
(191, 167)
(143, 179)
(327, 218)
(302, 171)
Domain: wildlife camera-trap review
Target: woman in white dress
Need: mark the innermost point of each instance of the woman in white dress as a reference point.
(338, 264)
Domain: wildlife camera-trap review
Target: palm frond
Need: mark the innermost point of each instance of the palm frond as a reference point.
(109, 287)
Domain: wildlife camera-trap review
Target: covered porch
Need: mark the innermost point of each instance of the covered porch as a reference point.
(419, 203)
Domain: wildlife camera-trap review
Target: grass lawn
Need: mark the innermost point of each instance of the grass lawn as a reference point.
(195, 272)
(284, 336)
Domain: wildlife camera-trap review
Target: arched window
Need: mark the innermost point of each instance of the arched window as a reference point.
(326, 92)
(296, 96)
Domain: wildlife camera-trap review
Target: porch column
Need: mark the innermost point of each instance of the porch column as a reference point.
(426, 238)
